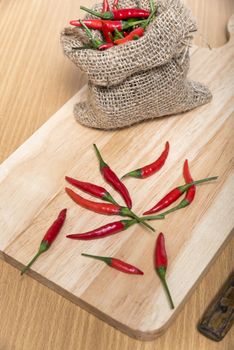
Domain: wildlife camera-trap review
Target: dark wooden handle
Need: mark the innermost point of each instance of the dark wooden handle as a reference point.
(219, 316)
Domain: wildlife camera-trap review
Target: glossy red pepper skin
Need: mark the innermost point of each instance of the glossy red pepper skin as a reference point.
(161, 262)
(49, 237)
(152, 168)
(94, 190)
(190, 194)
(105, 208)
(117, 264)
(119, 14)
(106, 46)
(113, 179)
(100, 208)
(173, 195)
(104, 231)
(106, 33)
(95, 24)
(134, 34)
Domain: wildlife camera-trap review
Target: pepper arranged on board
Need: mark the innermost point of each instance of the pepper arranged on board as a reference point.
(49, 237)
(104, 231)
(152, 168)
(119, 14)
(104, 208)
(173, 195)
(113, 179)
(160, 264)
(117, 264)
(94, 190)
(190, 193)
(106, 6)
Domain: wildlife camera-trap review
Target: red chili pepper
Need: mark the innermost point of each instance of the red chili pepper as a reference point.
(106, 6)
(189, 197)
(173, 195)
(95, 24)
(160, 264)
(119, 14)
(104, 208)
(106, 46)
(133, 35)
(113, 179)
(49, 237)
(152, 168)
(106, 32)
(190, 194)
(97, 191)
(115, 4)
(104, 231)
(117, 264)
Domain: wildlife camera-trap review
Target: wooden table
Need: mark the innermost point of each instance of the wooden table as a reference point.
(35, 81)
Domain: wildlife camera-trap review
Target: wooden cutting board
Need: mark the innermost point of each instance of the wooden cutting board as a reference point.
(32, 192)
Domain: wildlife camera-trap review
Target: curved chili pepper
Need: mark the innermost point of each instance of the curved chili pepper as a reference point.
(113, 179)
(49, 237)
(119, 14)
(190, 194)
(105, 208)
(160, 264)
(117, 264)
(97, 191)
(106, 6)
(133, 35)
(152, 168)
(173, 195)
(104, 231)
(95, 24)
(106, 33)
(106, 46)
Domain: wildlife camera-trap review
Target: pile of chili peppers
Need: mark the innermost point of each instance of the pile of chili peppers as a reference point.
(109, 206)
(117, 26)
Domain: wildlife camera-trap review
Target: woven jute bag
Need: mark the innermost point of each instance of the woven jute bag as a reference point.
(141, 79)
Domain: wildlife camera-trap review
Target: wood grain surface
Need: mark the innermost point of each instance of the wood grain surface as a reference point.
(47, 320)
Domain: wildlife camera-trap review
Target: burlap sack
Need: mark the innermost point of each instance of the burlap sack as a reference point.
(142, 79)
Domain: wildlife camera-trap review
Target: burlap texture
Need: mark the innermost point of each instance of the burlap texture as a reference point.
(142, 79)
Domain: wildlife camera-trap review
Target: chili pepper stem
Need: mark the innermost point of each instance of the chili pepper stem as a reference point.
(92, 12)
(102, 163)
(42, 249)
(187, 186)
(167, 292)
(140, 221)
(106, 259)
(110, 199)
(153, 217)
(184, 203)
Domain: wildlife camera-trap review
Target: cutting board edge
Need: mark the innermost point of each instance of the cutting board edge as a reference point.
(134, 333)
